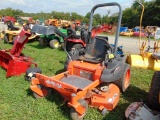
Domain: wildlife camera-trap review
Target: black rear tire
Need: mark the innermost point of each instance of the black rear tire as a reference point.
(30, 73)
(77, 46)
(154, 92)
(42, 41)
(75, 115)
(124, 81)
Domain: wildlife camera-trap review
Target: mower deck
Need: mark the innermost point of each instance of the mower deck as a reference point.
(73, 88)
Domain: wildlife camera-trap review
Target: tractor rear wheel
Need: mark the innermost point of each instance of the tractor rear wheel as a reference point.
(77, 46)
(124, 81)
(6, 39)
(75, 115)
(54, 44)
(154, 92)
(30, 73)
(46, 92)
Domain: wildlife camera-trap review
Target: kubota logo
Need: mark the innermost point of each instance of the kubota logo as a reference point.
(58, 85)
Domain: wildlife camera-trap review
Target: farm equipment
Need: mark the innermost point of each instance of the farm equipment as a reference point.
(137, 33)
(111, 29)
(13, 60)
(76, 45)
(140, 111)
(54, 22)
(145, 59)
(92, 79)
(64, 24)
(80, 41)
(58, 35)
(55, 39)
(21, 20)
(58, 23)
(151, 109)
(9, 18)
(12, 32)
(128, 33)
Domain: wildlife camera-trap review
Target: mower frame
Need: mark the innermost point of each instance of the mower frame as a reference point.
(93, 79)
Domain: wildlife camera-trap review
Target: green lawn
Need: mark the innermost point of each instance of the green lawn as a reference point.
(18, 103)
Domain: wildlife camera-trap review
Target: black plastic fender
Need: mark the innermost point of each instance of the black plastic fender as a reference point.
(113, 70)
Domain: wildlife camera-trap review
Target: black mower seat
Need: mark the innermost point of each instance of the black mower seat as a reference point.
(11, 26)
(96, 51)
(72, 33)
(156, 56)
(76, 81)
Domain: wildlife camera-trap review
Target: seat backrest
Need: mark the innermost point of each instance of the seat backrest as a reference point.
(10, 26)
(84, 36)
(97, 49)
(71, 32)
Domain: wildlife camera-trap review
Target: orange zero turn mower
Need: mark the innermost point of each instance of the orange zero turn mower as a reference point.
(94, 79)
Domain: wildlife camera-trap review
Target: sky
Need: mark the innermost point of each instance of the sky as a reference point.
(81, 7)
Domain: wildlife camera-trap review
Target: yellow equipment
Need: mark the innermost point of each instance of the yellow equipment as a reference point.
(146, 58)
(54, 22)
(12, 32)
(128, 33)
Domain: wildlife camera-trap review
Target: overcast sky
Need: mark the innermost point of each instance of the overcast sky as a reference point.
(81, 7)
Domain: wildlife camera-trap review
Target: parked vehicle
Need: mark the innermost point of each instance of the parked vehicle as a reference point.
(13, 31)
(53, 40)
(123, 29)
(9, 18)
(145, 59)
(94, 79)
(13, 60)
(149, 110)
(129, 33)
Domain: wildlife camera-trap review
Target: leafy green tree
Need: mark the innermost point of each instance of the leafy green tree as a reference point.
(88, 15)
(97, 18)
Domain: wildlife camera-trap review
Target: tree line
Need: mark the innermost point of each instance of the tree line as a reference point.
(130, 18)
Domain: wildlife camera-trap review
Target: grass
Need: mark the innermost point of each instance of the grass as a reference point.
(18, 103)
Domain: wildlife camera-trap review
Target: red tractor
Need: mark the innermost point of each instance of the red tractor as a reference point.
(9, 18)
(80, 41)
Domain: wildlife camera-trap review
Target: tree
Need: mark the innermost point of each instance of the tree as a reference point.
(88, 15)
(97, 18)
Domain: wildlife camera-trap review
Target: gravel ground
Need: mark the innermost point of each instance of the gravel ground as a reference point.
(130, 44)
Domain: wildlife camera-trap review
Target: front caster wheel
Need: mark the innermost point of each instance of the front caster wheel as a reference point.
(46, 92)
(75, 115)
(104, 111)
